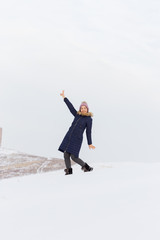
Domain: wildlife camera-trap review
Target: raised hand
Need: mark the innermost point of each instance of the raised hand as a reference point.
(62, 94)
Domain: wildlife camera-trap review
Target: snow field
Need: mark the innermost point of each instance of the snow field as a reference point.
(115, 201)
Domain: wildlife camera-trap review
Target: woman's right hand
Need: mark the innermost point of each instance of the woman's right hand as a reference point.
(62, 94)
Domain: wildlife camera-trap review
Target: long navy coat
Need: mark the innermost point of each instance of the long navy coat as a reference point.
(73, 139)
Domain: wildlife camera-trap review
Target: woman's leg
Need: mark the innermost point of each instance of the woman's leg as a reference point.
(85, 166)
(77, 160)
(67, 159)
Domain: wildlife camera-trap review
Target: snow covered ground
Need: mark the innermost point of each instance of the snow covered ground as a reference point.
(15, 163)
(115, 201)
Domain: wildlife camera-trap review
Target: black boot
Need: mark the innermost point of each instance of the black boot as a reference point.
(87, 168)
(68, 171)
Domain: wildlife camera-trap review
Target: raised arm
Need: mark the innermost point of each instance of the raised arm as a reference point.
(69, 104)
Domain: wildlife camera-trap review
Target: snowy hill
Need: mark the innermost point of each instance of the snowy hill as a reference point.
(117, 201)
(14, 163)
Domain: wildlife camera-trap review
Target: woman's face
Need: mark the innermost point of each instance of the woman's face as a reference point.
(84, 109)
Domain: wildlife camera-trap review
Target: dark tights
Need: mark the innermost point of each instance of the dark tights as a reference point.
(68, 161)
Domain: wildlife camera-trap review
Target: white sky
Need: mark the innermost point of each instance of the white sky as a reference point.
(104, 52)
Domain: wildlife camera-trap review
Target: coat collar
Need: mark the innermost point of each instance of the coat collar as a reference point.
(89, 114)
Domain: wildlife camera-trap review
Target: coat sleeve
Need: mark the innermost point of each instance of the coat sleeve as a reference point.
(88, 131)
(70, 106)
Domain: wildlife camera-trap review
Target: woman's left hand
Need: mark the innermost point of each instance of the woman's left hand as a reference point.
(91, 146)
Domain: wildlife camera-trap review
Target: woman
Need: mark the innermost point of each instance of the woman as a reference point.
(72, 141)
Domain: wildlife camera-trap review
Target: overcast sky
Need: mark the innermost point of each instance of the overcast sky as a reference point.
(104, 52)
